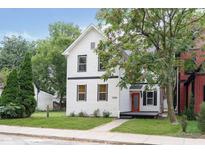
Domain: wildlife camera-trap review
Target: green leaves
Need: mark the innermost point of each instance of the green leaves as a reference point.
(49, 65)
(13, 51)
(153, 36)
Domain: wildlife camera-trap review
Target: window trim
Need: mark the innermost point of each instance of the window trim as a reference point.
(91, 45)
(98, 93)
(81, 93)
(150, 98)
(78, 64)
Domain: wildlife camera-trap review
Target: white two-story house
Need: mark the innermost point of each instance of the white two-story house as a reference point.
(87, 92)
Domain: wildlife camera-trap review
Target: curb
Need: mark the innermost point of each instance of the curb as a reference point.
(75, 139)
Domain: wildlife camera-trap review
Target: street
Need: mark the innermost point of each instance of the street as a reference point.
(24, 140)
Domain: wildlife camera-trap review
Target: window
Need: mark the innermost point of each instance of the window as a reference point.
(102, 92)
(81, 92)
(82, 63)
(92, 45)
(150, 98)
(101, 64)
(101, 67)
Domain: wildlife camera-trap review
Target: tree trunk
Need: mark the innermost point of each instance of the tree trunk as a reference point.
(61, 100)
(171, 113)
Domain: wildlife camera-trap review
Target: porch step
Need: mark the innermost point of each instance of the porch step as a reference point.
(125, 117)
(138, 114)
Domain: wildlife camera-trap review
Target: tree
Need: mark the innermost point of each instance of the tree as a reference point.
(155, 38)
(49, 65)
(4, 74)
(13, 51)
(26, 88)
(10, 92)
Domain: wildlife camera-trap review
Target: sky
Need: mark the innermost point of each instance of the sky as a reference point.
(32, 24)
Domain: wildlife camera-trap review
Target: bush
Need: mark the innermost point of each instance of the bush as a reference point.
(26, 88)
(106, 114)
(201, 118)
(82, 114)
(17, 98)
(184, 123)
(10, 92)
(96, 113)
(190, 111)
(72, 114)
(10, 111)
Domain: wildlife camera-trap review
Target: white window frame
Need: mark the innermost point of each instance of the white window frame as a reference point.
(85, 93)
(98, 92)
(79, 56)
(150, 97)
(92, 47)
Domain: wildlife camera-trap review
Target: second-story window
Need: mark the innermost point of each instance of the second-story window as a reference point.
(82, 60)
(102, 62)
(92, 45)
(101, 67)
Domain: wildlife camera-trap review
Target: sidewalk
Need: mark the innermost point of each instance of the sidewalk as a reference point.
(97, 136)
(109, 126)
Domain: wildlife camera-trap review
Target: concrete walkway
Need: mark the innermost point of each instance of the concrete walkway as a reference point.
(109, 126)
(97, 136)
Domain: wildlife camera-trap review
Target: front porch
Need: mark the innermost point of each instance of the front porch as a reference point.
(151, 114)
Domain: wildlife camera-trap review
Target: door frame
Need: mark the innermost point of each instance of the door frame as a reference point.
(132, 101)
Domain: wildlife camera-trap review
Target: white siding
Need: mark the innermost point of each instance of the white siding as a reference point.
(91, 104)
(125, 100)
(43, 100)
(83, 48)
(150, 107)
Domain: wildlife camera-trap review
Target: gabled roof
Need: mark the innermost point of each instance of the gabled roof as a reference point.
(83, 34)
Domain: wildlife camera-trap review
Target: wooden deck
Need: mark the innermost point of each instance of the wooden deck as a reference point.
(139, 114)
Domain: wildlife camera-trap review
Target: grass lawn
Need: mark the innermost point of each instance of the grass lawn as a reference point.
(57, 120)
(157, 127)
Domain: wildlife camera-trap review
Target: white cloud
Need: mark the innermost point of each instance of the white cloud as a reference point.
(25, 35)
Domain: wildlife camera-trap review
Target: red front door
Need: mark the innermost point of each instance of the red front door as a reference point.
(135, 102)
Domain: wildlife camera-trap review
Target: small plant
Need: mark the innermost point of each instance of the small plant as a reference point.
(82, 114)
(72, 114)
(96, 113)
(184, 123)
(190, 110)
(201, 118)
(106, 114)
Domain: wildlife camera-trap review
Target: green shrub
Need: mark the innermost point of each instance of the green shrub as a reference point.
(106, 114)
(189, 112)
(96, 113)
(183, 123)
(10, 111)
(201, 118)
(26, 88)
(10, 92)
(72, 114)
(82, 114)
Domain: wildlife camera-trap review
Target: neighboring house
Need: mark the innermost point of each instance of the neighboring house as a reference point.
(43, 99)
(192, 83)
(87, 92)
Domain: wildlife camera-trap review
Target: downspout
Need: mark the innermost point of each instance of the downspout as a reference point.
(119, 95)
(177, 93)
